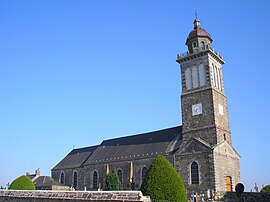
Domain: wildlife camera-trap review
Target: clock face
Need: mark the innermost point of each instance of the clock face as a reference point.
(197, 109)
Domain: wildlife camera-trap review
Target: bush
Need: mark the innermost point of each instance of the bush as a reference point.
(22, 183)
(162, 182)
(112, 182)
(266, 189)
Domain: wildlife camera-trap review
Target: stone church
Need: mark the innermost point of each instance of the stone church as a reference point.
(200, 150)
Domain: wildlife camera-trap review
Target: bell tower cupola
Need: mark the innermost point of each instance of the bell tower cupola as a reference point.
(198, 38)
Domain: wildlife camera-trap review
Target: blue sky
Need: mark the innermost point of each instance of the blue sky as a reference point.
(73, 73)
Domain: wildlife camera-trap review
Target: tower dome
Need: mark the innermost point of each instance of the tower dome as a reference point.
(198, 37)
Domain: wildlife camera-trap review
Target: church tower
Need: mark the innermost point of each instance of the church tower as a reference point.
(204, 104)
(207, 159)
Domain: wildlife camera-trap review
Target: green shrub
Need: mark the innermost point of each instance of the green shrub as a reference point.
(112, 182)
(22, 183)
(266, 189)
(162, 182)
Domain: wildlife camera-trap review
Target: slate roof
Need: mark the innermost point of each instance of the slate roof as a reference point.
(31, 176)
(75, 158)
(46, 181)
(147, 145)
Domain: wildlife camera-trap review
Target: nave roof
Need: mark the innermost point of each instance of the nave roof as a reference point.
(146, 145)
(75, 158)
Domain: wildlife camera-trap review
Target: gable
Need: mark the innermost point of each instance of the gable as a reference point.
(225, 149)
(194, 145)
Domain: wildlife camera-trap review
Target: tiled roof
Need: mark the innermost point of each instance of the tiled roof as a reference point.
(147, 145)
(199, 32)
(75, 158)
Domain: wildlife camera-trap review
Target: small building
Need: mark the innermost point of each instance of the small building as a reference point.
(46, 182)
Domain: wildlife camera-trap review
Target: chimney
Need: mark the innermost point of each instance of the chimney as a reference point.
(38, 172)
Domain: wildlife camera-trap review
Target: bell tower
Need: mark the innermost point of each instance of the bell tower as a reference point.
(203, 100)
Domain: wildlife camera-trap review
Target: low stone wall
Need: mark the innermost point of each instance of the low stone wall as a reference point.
(245, 197)
(74, 196)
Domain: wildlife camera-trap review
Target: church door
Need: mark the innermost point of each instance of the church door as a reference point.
(228, 184)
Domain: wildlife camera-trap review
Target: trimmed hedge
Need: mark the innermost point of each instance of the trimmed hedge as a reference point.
(22, 183)
(266, 189)
(162, 182)
(112, 182)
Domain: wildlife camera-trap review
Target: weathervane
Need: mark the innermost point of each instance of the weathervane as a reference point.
(196, 15)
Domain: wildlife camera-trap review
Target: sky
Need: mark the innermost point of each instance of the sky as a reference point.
(73, 73)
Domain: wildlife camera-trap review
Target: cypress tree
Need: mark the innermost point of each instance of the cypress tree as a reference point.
(162, 182)
(112, 182)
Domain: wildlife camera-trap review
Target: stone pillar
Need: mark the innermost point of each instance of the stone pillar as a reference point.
(107, 169)
(131, 172)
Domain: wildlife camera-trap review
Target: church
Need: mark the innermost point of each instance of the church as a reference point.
(200, 150)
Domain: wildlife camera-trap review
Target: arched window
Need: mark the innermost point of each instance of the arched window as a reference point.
(216, 77)
(202, 75)
(228, 183)
(194, 44)
(195, 77)
(194, 173)
(219, 78)
(62, 178)
(213, 75)
(120, 175)
(95, 180)
(75, 179)
(188, 78)
(144, 171)
(202, 45)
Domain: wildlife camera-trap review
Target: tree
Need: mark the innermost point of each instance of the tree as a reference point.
(266, 189)
(162, 182)
(112, 182)
(22, 183)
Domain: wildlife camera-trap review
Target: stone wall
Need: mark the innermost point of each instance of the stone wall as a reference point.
(85, 173)
(204, 161)
(114, 196)
(226, 164)
(245, 197)
(75, 196)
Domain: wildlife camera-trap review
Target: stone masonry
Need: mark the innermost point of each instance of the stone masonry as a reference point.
(76, 196)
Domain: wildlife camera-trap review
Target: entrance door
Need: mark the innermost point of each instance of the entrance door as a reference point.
(228, 184)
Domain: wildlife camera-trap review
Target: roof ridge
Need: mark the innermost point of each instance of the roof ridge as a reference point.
(141, 134)
(85, 149)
